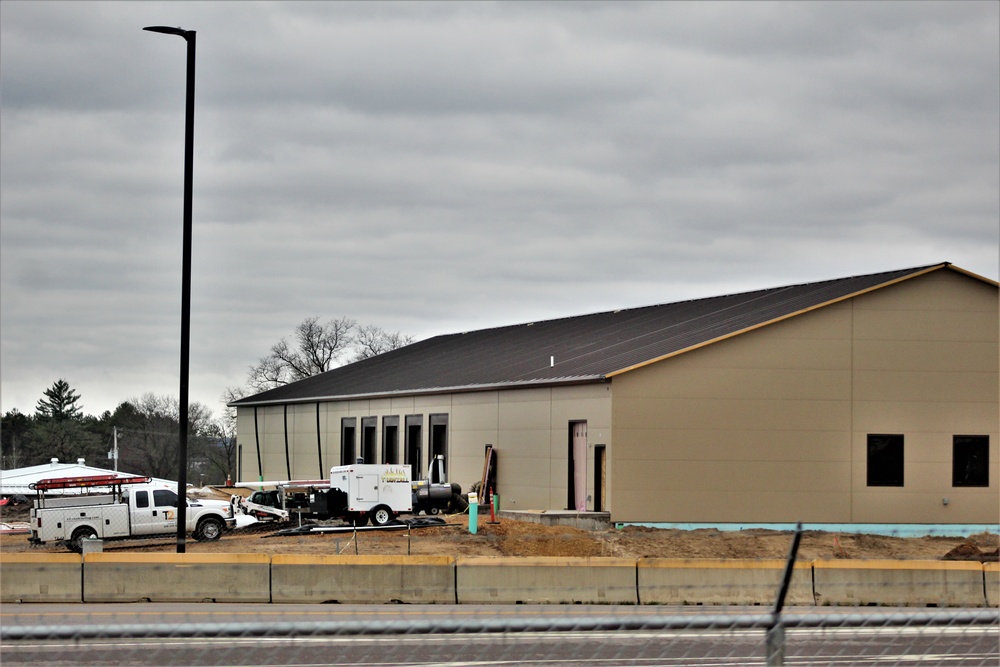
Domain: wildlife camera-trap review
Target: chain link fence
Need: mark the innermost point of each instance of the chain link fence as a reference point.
(840, 621)
(526, 635)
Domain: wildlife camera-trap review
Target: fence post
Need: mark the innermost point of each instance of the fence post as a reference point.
(775, 641)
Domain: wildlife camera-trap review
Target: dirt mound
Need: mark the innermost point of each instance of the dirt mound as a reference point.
(520, 538)
(969, 551)
(508, 537)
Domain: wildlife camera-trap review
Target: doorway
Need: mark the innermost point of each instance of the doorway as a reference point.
(600, 477)
(576, 495)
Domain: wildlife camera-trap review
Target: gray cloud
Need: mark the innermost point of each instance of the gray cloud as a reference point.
(438, 167)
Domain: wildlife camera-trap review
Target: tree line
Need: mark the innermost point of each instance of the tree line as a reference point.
(146, 428)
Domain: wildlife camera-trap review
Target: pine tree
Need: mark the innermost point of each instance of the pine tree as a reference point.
(59, 402)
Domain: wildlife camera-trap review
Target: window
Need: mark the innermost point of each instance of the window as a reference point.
(438, 445)
(970, 460)
(164, 498)
(390, 439)
(885, 460)
(413, 437)
(348, 425)
(142, 499)
(369, 446)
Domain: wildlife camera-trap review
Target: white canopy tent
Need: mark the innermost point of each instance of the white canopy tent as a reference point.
(18, 481)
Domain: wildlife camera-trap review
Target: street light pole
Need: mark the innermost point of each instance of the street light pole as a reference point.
(189, 37)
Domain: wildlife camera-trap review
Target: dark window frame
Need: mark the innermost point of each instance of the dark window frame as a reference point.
(970, 461)
(413, 437)
(348, 432)
(437, 444)
(390, 439)
(886, 459)
(369, 439)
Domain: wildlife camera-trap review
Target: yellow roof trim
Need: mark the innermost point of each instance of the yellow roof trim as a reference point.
(853, 295)
(988, 281)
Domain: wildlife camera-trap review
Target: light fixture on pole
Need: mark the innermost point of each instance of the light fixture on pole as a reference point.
(189, 37)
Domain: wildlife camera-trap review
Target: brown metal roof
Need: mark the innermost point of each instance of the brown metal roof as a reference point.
(580, 349)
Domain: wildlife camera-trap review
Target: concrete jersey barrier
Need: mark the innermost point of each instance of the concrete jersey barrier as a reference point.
(546, 580)
(919, 583)
(991, 582)
(721, 581)
(363, 579)
(40, 578)
(160, 577)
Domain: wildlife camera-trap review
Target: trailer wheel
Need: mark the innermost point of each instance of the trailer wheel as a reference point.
(358, 520)
(434, 510)
(209, 529)
(79, 535)
(381, 516)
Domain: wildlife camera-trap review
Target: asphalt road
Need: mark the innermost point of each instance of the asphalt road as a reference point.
(593, 636)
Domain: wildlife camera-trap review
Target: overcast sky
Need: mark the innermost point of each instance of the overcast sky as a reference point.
(442, 167)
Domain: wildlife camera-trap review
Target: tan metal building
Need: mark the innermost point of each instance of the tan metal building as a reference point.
(869, 399)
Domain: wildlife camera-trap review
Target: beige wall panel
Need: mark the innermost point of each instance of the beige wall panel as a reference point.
(272, 443)
(745, 476)
(707, 445)
(516, 496)
(753, 429)
(925, 386)
(530, 471)
(525, 443)
(522, 414)
(738, 383)
(432, 404)
(894, 505)
(732, 414)
(302, 441)
(940, 291)
(728, 507)
(246, 438)
(595, 411)
(465, 470)
(917, 416)
(401, 406)
(475, 416)
(923, 325)
(923, 355)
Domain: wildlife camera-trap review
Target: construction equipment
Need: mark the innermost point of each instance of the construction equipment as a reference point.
(364, 491)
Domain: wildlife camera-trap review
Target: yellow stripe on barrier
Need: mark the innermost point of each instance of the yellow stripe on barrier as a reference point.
(898, 565)
(39, 558)
(330, 559)
(177, 559)
(545, 561)
(719, 563)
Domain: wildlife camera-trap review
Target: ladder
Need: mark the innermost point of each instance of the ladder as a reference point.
(85, 482)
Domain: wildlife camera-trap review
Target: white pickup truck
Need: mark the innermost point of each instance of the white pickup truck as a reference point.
(133, 507)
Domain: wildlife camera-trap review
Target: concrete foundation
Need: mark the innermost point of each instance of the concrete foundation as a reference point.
(593, 521)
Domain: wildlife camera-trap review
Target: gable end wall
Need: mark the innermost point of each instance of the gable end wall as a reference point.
(772, 425)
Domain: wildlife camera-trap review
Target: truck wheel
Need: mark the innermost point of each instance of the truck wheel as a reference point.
(79, 535)
(381, 516)
(209, 529)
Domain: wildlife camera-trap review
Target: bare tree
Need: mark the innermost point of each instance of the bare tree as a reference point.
(318, 348)
(370, 341)
(149, 433)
